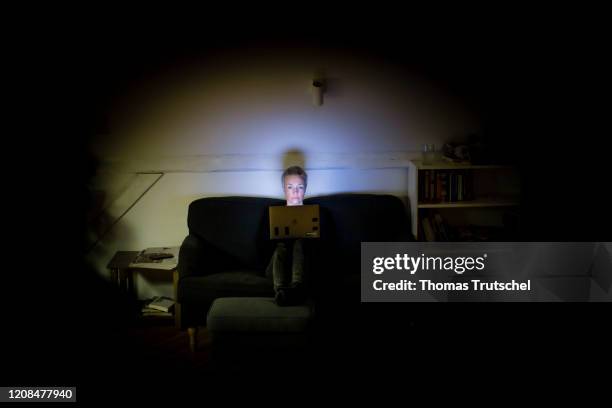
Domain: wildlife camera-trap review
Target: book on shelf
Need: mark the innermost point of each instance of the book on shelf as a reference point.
(428, 231)
(157, 258)
(444, 234)
(445, 186)
(432, 184)
(159, 304)
(436, 228)
(425, 184)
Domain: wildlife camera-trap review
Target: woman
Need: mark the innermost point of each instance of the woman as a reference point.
(289, 287)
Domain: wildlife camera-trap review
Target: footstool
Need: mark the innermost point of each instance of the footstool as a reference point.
(252, 330)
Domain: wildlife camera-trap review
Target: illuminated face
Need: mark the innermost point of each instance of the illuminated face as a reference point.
(294, 190)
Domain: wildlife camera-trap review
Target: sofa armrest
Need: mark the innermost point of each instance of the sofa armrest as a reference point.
(191, 257)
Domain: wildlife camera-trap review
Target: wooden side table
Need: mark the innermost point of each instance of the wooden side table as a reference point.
(123, 276)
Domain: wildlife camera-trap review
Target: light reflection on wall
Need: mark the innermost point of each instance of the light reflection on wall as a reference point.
(257, 105)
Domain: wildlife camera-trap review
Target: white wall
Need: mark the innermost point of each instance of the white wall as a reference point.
(228, 125)
(233, 104)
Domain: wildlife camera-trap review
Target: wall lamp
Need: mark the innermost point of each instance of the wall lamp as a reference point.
(318, 87)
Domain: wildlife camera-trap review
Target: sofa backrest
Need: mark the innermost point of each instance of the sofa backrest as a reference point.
(349, 219)
(234, 227)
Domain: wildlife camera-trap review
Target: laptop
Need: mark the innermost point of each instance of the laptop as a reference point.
(298, 221)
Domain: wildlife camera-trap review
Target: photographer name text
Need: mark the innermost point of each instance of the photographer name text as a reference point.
(429, 285)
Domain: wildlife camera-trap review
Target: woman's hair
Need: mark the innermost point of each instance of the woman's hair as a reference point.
(295, 171)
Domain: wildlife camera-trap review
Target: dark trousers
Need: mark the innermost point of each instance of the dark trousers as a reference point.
(284, 270)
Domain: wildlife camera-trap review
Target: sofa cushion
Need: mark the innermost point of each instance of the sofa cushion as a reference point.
(199, 289)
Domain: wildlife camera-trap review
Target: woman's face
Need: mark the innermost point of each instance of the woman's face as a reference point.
(294, 190)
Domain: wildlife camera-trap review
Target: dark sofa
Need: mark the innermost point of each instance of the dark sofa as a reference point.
(227, 250)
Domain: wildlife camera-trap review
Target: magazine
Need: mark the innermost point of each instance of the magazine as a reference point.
(157, 258)
(159, 303)
(155, 313)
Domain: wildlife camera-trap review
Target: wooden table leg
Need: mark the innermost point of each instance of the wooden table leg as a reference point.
(114, 276)
(130, 288)
(120, 278)
(193, 338)
(177, 306)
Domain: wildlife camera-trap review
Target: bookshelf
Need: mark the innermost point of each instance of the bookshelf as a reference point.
(461, 196)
